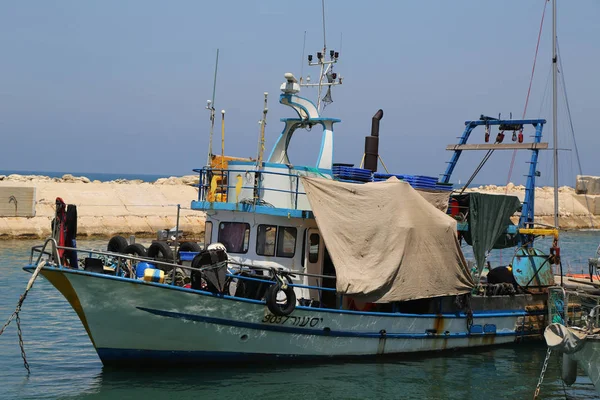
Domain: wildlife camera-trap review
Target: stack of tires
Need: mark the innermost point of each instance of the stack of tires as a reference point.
(158, 251)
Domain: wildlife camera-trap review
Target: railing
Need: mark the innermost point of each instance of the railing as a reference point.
(42, 251)
(573, 308)
(119, 264)
(206, 175)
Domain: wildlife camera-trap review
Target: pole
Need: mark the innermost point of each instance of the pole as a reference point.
(555, 111)
(176, 243)
(261, 150)
(261, 142)
(215, 78)
(211, 108)
(222, 136)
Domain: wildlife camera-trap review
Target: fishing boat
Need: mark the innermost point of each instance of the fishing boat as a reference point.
(316, 262)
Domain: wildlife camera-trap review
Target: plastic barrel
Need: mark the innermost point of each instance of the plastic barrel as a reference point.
(141, 268)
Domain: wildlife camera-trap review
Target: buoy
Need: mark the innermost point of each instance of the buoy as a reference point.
(568, 372)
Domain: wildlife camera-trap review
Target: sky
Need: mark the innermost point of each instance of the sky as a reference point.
(121, 86)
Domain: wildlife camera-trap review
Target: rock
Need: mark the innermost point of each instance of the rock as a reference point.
(96, 181)
(168, 181)
(2, 177)
(190, 180)
(510, 187)
(68, 178)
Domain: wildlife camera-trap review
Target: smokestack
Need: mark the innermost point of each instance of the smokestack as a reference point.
(372, 143)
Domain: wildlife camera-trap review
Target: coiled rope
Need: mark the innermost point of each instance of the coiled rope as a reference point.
(15, 314)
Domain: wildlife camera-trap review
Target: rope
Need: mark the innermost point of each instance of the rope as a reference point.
(562, 77)
(537, 46)
(481, 164)
(15, 314)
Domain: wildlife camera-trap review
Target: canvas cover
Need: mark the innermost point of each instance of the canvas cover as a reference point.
(438, 199)
(488, 218)
(387, 242)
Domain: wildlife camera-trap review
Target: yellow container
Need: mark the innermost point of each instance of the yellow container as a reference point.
(154, 275)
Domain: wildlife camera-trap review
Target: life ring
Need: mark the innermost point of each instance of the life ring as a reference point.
(274, 306)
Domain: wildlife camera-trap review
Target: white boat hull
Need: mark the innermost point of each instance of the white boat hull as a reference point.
(132, 321)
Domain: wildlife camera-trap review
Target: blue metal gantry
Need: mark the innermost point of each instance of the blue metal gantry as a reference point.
(527, 213)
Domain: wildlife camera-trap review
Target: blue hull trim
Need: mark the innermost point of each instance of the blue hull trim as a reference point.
(132, 356)
(315, 332)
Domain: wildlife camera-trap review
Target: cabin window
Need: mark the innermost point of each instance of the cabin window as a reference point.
(235, 236)
(286, 241)
(313, 248)
(207, 233)
(265, 240)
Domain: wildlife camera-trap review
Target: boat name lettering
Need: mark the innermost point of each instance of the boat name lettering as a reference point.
(291, 320)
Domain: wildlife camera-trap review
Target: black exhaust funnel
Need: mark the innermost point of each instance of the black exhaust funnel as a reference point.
(372, 143)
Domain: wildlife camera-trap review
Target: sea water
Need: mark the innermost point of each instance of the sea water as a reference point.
(64, 364)
(101, 176)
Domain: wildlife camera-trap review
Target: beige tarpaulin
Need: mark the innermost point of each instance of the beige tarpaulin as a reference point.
(387, 242)
(437, 199)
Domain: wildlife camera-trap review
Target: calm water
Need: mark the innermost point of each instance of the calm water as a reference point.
(64, 364)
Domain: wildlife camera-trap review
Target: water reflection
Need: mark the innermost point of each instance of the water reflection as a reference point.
(65, 365)
(496, 373)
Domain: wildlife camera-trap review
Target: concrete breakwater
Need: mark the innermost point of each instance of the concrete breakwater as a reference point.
(141, 208)
(105, 208)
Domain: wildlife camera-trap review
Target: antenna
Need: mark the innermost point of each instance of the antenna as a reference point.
(323, 12)
(326, 67)
(302, 64)
(324, 53)
(210, 106)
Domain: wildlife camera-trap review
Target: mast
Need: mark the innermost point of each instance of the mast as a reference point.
(211, 108)
(555, 112)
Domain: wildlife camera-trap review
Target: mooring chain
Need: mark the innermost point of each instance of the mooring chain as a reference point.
(25, 363)
(15, 314)
(539, 384)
